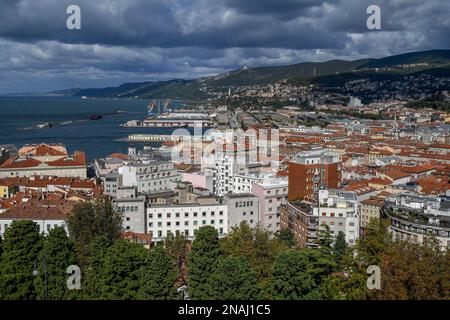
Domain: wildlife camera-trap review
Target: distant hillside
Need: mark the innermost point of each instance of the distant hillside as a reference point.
(330, 73)
(433, 57)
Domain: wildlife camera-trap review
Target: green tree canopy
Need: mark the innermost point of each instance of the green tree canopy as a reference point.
(119, 277)
(205, 251)
(89, 220)
(233, 279)
(256, 246)
(158, 277)
(59, 253)
(21, 248)
(291, 277)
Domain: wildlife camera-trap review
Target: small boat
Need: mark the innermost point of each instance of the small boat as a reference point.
(96, 117)
(44, 125)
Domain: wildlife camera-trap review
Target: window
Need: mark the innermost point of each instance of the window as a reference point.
(168, 223)
(177, 214)
(203, 222)
(212, 221)
(168, 215)
(221, 221)
(186, 223)
(195, 223)
(159, 215)
(48, 227)
(186, 214)
(150, 216)
(221, 213)
(128, 218)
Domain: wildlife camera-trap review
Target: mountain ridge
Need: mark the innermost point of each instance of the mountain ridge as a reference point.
(307, 72)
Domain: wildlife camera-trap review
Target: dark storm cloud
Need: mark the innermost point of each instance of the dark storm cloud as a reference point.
(133, 40)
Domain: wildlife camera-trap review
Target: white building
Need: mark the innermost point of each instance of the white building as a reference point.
(242, 207)
(153, 176)
(185, 219)
(339, 210)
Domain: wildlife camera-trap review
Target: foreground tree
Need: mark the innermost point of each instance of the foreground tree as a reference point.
(21, 248)
(287, 237)
(176, 247)
(415, 271)
(59, 253)
(119, 276)
(205, 251)
(233, 279)
(340, 248)
(93, 219)
(291, 279)
(158, 277)
(256, 246)
(91, 281)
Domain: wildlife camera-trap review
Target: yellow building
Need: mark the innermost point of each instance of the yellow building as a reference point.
(7, 189)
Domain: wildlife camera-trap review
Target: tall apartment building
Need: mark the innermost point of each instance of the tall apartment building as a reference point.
(272, 193)
(312, 170)
(339, 211)
(298, 216)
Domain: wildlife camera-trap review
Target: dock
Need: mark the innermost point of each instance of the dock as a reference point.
(162, 138)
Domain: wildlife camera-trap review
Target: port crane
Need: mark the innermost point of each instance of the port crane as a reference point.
(156, 107)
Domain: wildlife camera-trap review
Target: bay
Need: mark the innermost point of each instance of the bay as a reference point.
(19, 117)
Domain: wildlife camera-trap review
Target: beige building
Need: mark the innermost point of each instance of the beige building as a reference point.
(369, 209)
(45, 160)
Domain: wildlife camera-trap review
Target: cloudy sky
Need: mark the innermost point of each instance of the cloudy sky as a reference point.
(144, 40)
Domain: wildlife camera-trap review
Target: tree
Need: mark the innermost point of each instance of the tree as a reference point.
(119, 276)
(233, 279)
(91, 283)
(21, 248)
(59, 253)
(92, 219)
(158, 277)
(287, 237)
(414, 271)
(176, 247)
(325, 238)
(340, 247)
(256, 246)
(205, 251)
(291, 279)
(375, 241)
